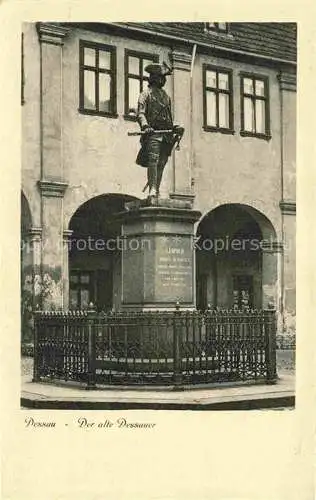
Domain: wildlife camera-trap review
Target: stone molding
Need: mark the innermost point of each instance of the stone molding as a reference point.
(287, 81)
(181, 60)
(160, 213)
(52, 33)
(288, 207)
(67, 233)
(272, 246)
(188, 197)
(171, 202)
(35, 233)
(54, 189)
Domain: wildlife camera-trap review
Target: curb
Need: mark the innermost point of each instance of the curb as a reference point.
(243, 404)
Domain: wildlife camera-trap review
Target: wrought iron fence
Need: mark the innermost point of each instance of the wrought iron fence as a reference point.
(160, 348)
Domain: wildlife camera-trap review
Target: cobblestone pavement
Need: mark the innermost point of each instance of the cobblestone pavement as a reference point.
(281, 408)
(285, 359)
(286, 369)
(26, 366)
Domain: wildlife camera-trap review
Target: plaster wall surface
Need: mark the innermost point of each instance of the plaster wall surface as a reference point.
(290, 267)
(289, 145)
(229, 168)
(30, 115)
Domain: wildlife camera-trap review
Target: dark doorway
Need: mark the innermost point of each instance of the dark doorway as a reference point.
(104, 290)
(229, 259)
(94, 253)
(201, 292)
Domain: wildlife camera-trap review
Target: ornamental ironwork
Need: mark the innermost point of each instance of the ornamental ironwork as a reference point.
(162, 348)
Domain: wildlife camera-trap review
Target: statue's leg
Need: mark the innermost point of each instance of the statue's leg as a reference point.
(152, 177)
(153, 161)
(163, 158)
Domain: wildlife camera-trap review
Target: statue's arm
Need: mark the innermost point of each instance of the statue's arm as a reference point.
(170, 109)
(141, 111)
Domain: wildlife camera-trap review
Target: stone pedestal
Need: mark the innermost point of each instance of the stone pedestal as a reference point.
(158, 261)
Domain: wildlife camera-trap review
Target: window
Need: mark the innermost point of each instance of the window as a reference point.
(135, 78)
(81, 288)
(242, 291)
(97, 79)
(91, 286)
(218, 99)
(255, 106)
(219, 27)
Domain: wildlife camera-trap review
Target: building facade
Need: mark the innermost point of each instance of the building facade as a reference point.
(233, 89)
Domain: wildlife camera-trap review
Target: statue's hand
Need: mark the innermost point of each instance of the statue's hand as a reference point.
(178, 130)
(148, 130)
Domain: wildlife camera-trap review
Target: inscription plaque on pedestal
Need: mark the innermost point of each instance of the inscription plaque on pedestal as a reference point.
(174, 265)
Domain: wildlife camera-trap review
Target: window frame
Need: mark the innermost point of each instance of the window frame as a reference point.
(238, 286)
(266, 98)
(217, 91)
(216, 28)
(139, 55)
(97, 70)
(77, 287)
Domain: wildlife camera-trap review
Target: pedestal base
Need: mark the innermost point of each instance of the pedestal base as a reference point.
(154, 201)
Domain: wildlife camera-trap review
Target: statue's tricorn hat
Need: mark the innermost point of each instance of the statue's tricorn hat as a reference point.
(158, 69)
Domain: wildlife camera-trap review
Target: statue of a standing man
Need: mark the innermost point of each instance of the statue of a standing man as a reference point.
(154, 114)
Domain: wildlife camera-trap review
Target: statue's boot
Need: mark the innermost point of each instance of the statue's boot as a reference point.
(153, 192)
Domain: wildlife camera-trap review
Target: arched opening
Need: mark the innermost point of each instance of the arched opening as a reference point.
(25, 235)
(26, 270)
(95, 253)
(236, 266)
(26, 217)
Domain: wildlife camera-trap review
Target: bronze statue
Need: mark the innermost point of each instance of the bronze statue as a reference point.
(158, 135)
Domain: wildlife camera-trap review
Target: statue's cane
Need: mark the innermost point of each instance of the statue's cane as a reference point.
(153, 132)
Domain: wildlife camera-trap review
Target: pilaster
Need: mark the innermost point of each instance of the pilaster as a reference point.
(287, 81)
(182, 111)
(52, 184)
(288, 207)
(65, 267)
(288, 211)
(51, 37)
(35, 235)
(271, 274)
(287, 86)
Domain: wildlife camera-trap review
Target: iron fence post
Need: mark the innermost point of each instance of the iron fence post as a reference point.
(36, 376)
(91, 347)
(270, 342)
(177, 355)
